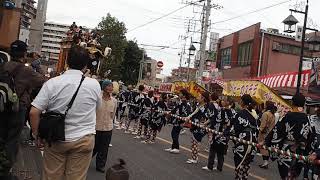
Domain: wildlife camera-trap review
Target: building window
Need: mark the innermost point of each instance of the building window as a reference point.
(226, 57)
(245, 54)
(287, 48)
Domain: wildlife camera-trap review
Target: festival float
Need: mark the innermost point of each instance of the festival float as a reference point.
(89, 40)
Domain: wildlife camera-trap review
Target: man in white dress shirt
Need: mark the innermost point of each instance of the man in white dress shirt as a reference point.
(71, 158)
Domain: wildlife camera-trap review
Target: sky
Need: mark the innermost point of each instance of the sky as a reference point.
(168, 31)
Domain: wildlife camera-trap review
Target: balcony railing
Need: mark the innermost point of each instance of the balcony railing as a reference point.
(29, 8)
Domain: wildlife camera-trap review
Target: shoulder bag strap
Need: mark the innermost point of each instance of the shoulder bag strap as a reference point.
(74, 96)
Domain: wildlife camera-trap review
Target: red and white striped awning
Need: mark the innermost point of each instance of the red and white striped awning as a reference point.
(285, 79)
(288, 79)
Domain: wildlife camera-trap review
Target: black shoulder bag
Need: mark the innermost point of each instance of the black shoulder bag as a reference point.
(52, 124)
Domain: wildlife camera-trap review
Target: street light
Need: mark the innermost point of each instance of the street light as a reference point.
(192, 51)
(290, 24)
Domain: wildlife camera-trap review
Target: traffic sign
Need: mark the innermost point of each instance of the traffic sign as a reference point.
(160, 64)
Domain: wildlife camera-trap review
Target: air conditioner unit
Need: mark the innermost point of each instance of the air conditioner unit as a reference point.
(273, 30)
(276, 46)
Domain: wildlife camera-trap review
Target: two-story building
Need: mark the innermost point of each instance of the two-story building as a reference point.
(253, 52)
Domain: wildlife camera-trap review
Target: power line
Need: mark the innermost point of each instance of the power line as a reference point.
(142, 25)
(148, 10)
(159, 46)
(152, 45)
(161, 17)
(251, 12)
(184, 38)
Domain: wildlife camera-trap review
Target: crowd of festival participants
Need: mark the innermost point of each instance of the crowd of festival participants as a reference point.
(93, 109)
(143, 115)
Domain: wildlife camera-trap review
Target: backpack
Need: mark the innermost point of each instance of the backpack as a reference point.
(9, 101)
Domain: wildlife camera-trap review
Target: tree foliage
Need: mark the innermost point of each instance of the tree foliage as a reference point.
(125, 58)
(113, 36)
(131, 64)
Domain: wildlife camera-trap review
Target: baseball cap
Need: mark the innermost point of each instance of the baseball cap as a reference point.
(18, 46)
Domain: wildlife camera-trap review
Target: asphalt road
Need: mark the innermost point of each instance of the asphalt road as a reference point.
(151, 162)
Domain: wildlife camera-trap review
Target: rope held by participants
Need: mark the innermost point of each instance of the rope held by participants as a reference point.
(271, 149)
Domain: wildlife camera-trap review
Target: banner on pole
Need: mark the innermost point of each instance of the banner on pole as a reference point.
(192, 87)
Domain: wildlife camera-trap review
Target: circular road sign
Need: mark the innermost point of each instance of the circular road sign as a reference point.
(160, 64)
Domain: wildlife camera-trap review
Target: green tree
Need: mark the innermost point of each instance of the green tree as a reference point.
(131, 63)
(113, 35)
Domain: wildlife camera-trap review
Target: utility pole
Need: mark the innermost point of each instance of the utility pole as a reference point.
(204, 37)
(189, 62)
(302, 46)
(305, 13)
(180, 63)
(183, 50)
(141, 67)
(181, 56)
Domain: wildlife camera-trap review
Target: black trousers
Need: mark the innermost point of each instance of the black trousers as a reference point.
(290, 169)
(101, 147)
(216, 149)
(11, 125)
(242, 172)
(175, 133)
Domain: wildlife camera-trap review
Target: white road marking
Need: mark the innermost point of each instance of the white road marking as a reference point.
(206, 157)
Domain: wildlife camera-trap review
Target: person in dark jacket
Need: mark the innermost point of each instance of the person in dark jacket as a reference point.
(136, 99)
(201, 114)
(214, 101)
(157, 119)
(145, 115)
(25, 81)
(292, 133)
(219, 121)
(245, 127)
(182, 109)
(123, 106)
(315, 123)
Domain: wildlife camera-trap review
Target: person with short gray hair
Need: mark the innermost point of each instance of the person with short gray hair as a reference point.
(105, 116)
